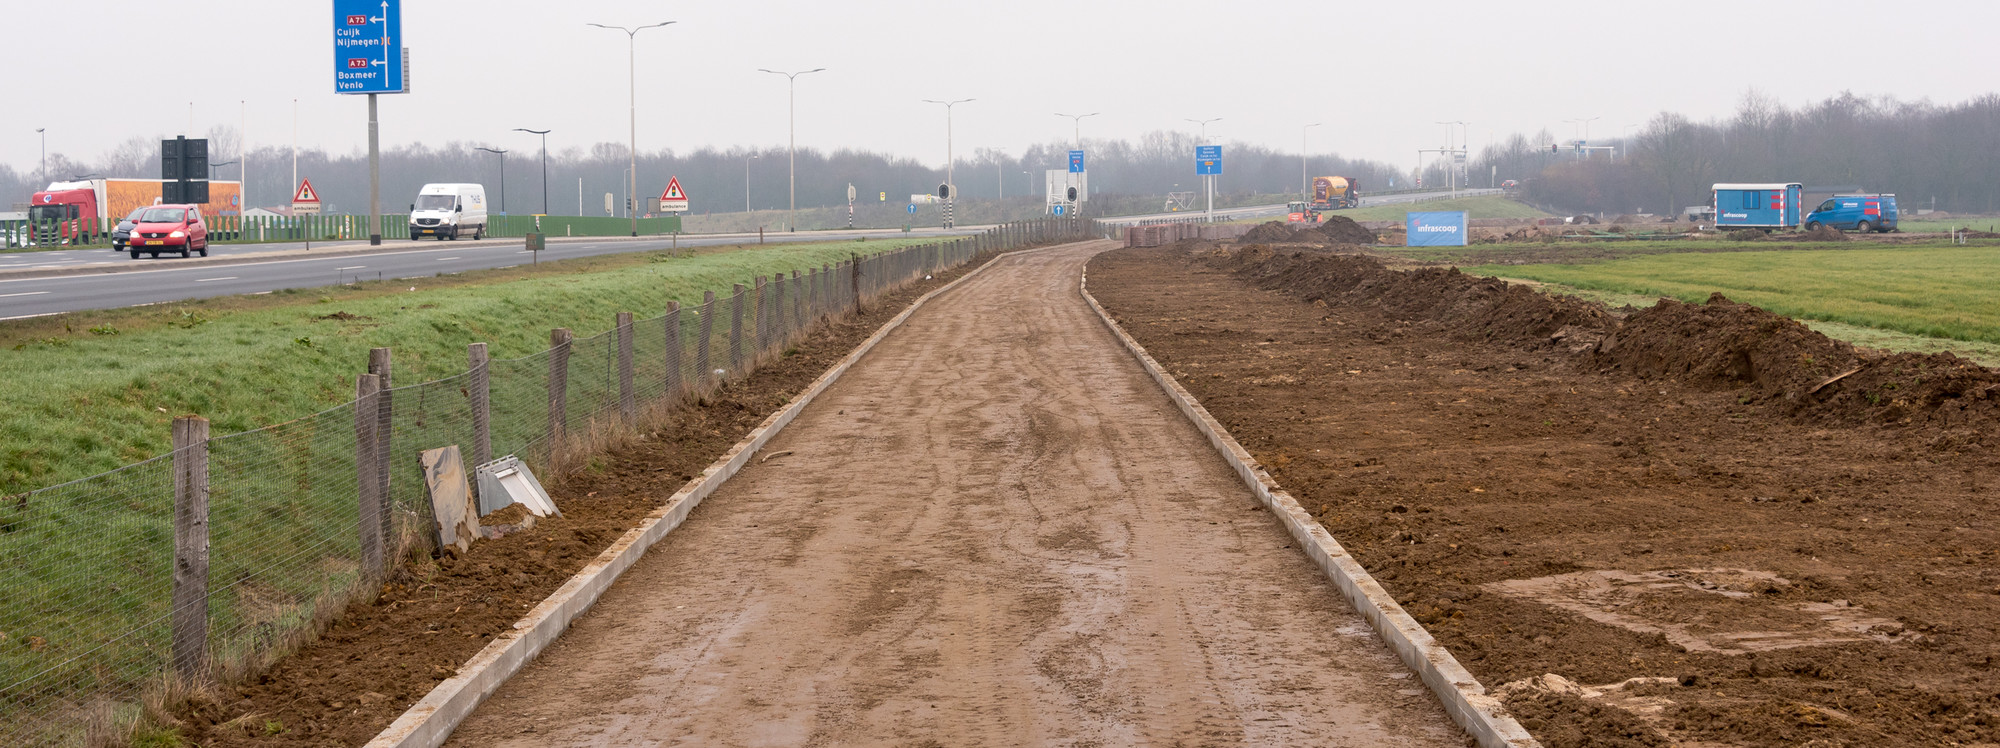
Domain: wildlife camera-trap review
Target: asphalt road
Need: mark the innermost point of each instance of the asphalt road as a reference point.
(173, 279)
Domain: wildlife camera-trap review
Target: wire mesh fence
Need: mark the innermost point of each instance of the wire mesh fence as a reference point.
(213, 560)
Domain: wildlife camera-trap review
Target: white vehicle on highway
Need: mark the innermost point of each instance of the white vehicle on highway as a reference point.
(448, 211)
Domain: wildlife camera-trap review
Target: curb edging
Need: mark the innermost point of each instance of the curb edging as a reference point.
(430, 721)
(1464, 698)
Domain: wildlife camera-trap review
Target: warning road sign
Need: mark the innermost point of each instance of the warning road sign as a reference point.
(305, 202)
(673, 200)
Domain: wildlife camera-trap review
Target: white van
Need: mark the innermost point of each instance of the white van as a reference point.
(447, 211)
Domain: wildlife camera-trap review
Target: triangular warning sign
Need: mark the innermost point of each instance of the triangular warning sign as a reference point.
(673, 190)
(305, 193)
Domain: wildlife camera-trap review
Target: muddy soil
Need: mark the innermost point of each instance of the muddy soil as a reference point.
(995, 529)
(1660, 510)
(380, 657)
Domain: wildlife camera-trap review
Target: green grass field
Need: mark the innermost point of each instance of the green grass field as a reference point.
(1911, 224)
(1929, 291)
(245, 362)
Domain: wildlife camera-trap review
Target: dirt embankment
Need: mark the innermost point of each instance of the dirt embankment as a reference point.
(1767, 358)
(380, 657)
(1641, 528)
(1333, 230)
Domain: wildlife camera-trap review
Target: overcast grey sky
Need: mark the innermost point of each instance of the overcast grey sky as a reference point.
(1378, 74)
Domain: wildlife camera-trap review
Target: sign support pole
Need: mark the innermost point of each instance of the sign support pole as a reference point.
(374, 175)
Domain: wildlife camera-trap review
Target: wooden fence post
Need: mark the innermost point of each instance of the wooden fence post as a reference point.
(736, 330)
(674, 379)
(379, 364)
(702, 366)
(628, 401)
(779, 319)
(799, 292)
(367, 481)
(480, 392)
(559, 340)
(854, 279)
(190, 595)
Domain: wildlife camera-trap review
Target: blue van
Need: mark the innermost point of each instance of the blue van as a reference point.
(1758, 206)
(1855, 213)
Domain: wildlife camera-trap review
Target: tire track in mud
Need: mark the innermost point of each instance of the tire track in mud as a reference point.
(993, 531)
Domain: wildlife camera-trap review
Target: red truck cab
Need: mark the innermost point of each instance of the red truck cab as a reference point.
(65, 216)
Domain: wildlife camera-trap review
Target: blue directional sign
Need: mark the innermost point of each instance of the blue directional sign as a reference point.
(913, 209)
(367, 46)
(1059, 209)
(1076, 162)
(1207, 159)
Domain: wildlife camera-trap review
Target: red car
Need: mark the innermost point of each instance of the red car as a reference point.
(169, 228)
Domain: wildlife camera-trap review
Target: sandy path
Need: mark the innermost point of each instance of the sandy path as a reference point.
(993, 531)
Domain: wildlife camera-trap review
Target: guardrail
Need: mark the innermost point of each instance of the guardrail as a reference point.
(211, 561)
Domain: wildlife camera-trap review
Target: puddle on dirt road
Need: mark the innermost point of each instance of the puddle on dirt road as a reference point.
(1726, 611)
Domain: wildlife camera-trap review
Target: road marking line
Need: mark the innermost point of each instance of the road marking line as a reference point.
(352, 267)
(25, 293)
(442, 259)
(31, 316)
(223, 278)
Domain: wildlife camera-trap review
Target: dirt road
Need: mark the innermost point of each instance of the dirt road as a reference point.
(993, 531)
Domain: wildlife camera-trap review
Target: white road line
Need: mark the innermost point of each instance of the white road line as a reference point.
(223, 278)
(442, 259)
(31, 316)
(28, 293)
(352, 267)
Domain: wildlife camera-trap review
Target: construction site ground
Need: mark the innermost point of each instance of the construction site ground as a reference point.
(993, 530)
(1698, 525)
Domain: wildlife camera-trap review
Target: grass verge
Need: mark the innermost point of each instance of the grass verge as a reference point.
(1484, 206)
(92, 391)
(1932, 298)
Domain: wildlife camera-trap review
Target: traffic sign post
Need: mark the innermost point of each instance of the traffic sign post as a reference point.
(1076, 162)
(673, 200)
(369, 58)
(305, 202)
(1208, 165)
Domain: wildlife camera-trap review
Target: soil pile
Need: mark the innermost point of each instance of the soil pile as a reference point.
(1775, 359)
(1489, 308)
(1824, 233)
(1272, 232)
(1343, 230)
(1719, 345)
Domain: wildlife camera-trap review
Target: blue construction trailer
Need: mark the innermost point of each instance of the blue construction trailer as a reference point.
(1759, 206)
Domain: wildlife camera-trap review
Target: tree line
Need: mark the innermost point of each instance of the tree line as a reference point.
(714, 178)
(1927, 154)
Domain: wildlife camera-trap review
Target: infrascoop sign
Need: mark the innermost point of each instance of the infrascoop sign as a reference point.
(1436, 229)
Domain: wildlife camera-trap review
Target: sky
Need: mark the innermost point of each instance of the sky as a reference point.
(1377, 76)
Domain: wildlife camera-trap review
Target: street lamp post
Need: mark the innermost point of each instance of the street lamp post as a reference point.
(951, 188)
(746, 182)
(44, 132)
(1076, 125)
(632, 155)
(502, 153)
(792, 150)
(1305, 182)
(1207, 180)
(213, 167)
(1451, 154)
(545, 166)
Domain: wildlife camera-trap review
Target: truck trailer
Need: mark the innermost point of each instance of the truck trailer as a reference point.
(1758, 206)
(81, 211)
(1330, 193)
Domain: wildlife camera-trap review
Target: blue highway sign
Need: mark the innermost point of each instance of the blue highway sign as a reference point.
(1076, 162)
(1060, 209)
(367, 46)
(913, 209)
(1207, 159)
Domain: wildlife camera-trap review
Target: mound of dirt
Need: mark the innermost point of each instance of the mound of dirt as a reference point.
(1268, 233)
(1490, 308)
(1721, 344)
(1748, 235)
(1824, 233)
(1775, 359)
(1343, 230)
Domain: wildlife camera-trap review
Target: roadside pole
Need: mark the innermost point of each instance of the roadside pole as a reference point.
(374, 175)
